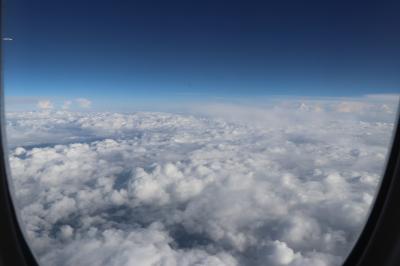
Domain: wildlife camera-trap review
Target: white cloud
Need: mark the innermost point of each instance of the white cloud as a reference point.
(286, 186)
(45, 105)
(66, 231)
(66, 105)
(350, 107)
(83, 103)
(282, 254)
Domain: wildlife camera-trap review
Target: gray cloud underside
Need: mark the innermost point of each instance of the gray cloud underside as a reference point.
(292, 187)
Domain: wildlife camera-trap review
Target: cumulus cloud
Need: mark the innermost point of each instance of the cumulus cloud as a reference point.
(83, 103)
(45, 105)
(290, 185)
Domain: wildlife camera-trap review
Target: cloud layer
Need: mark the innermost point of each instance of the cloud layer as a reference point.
(289, 184)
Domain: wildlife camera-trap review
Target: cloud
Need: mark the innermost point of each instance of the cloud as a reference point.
(66, 105)
(45, 105)
(290, 185)
(83, 103)
(349, 107)
(384, 97)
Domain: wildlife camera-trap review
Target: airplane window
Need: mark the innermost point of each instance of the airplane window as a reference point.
(198, 132)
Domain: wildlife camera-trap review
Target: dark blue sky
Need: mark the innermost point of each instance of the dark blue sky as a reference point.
(126, 50)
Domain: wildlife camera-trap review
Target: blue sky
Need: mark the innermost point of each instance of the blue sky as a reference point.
(137, 52)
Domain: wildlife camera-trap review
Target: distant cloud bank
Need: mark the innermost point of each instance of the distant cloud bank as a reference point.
(45, 105)
(84, 103)
(67, 104)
